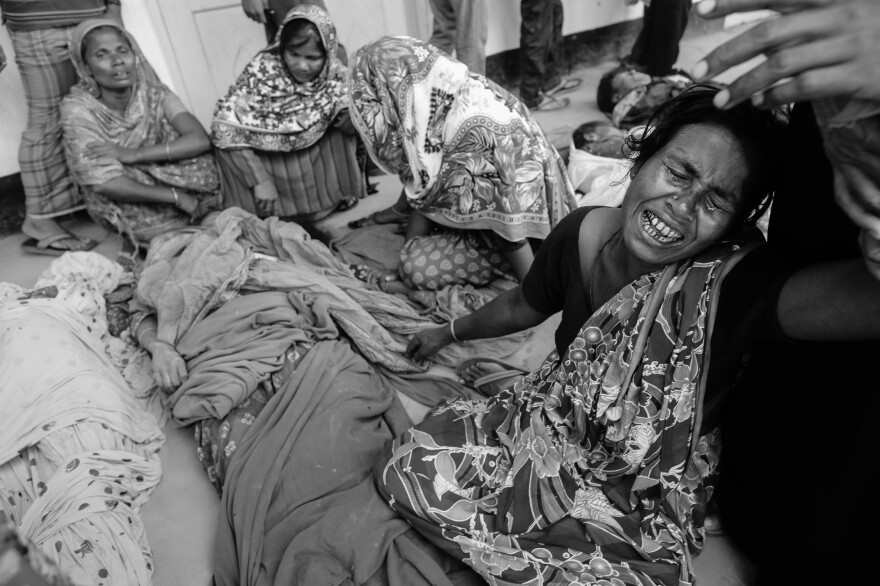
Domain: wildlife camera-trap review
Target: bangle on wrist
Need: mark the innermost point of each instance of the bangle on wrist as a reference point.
(452, 330)
(144, 331)
(176, 197)
(168, 151)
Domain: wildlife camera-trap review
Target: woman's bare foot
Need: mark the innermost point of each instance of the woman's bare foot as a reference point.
(489, 378)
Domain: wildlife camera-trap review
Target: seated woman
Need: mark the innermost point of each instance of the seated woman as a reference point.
(286, 145)
(141, 160)
(594, 466)
(474, 163)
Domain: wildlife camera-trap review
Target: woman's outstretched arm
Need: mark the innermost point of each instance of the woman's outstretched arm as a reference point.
(169, 368)
(506, 314)
(831, 302)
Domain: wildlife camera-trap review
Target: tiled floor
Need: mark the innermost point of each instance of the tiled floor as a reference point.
(183, 512)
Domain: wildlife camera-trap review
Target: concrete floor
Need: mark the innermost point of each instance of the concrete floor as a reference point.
(182, 514)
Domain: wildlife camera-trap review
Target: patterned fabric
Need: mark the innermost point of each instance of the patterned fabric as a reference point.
(217, 439)
(470, 154)
(146, 121)
(267, 110)
(457, 257)
(43, 61)
(588, 469)
(44, 14)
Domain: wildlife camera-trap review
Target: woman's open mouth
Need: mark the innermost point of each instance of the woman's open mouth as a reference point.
(656, 229)
(122, 74)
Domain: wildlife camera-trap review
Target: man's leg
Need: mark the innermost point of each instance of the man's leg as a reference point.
(555, 53)
(444, 34)
(47, 76)
(535, 34)
(663, 26)
(471, 32)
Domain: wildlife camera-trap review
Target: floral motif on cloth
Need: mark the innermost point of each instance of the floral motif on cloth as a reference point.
(588, 470)
(469, 153)
(266, 109)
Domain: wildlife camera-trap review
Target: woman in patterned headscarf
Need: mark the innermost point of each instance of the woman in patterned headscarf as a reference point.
(476, 167)
(141, 159)
(286, 145)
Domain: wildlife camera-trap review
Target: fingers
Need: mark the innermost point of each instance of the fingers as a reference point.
(809, 85)
(718, 8)
(781, 40)
(858, 197)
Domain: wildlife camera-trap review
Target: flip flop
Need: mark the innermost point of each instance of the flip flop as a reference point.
(44, 246)
(566, 84)
(508, 372)
(550, 104)
(347, 203)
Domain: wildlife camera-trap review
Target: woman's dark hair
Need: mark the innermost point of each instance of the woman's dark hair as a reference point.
(759, 132)
(100, 29)
(297, 33)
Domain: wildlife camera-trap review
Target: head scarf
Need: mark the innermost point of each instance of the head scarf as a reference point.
(470, 154)
(267, 109)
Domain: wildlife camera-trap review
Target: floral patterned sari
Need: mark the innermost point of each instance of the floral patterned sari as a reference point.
(591, 469)
(470, 154)
(267, 109)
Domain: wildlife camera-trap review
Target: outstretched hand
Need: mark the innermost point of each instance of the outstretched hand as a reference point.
(814, 49)
(426, 343)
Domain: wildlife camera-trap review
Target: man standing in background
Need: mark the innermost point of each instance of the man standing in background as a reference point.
(461, 28)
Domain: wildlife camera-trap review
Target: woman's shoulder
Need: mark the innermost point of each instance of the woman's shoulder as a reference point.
(78, 104)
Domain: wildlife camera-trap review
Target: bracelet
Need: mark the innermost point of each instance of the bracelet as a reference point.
(176, 198)
(144, 331)
(167, 151)
(452, 331)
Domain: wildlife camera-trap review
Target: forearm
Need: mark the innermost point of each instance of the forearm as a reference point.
(506, 314)
(147, 334)
(831, 302)
(419, 225)
(184, 147)
(127, 190)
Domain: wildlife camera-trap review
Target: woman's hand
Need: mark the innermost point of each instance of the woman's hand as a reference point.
(859, 197)
(186, 202)
(256, 9)
(169, 368)
(266, 195)
(426, 343)
(113, 151)
(815, 49)
(343, 122)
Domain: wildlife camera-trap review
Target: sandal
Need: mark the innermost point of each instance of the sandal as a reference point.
(347, 203)
(566, 84)
(550, 104)
(484, 384)
(45, 245)
(373, 219)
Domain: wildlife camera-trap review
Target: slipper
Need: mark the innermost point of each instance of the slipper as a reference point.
(372, 219)
(44, 246)
(484, 381)
(566, 84)
(347, 203)
(550, 104)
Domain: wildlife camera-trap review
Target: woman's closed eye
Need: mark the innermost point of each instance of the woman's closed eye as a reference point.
(677, 176)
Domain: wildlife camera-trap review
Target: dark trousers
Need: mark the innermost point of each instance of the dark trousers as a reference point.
(656, 48)
(540, 48)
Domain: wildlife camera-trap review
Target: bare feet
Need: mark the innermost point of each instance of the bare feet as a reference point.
(49, 236)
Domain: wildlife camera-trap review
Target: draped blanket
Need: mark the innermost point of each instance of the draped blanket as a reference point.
(470, 154)
(190, 273)
(299, 505)
(78, 449)
(591, 468)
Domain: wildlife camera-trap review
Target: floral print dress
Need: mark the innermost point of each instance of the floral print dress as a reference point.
(588, 471)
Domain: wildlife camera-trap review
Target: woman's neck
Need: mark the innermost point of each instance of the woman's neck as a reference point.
(116, 100)
(615, 266)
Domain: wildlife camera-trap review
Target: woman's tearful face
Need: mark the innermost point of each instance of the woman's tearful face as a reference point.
(687, 196)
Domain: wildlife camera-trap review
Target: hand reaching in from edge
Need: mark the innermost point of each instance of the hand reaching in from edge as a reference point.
(814, 49)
